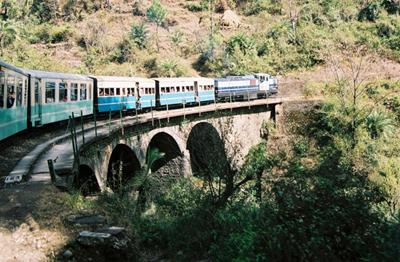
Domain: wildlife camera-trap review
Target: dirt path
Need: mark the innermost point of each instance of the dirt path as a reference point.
(31, 227)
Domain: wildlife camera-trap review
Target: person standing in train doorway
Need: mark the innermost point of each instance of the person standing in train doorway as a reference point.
(10, 99)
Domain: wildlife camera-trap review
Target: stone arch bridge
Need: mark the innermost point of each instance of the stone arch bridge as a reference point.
(190, 142)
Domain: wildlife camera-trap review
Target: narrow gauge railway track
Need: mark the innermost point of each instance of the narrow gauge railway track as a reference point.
(34, 141)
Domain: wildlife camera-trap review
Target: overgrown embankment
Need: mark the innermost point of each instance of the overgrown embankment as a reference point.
(175, 38)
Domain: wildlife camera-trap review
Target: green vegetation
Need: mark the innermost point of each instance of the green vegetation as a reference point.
(274, 36)
(328, 193)
(156, 14)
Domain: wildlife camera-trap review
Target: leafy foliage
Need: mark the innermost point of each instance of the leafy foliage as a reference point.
(139, 34)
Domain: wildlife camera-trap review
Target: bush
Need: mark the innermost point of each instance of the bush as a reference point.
(369, 12)
(49, 34)
(124, 51)
(392, 6)
(197, 7)
(44, 10)
(60, 34)
(170, 68)
(139, 34)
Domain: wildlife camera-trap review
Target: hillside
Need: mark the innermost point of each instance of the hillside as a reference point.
(116, 37)
(322, 184)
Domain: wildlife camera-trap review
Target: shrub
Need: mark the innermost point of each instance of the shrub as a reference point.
(139, 34)
(44, 10)
(392, 6)
(196, 6)
(170, 68)
(370, 12)
(60, 34)
(124, 51)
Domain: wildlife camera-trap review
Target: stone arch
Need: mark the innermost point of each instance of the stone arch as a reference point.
(86, 181)
(168, 145)
(207, 151)
(122, 166)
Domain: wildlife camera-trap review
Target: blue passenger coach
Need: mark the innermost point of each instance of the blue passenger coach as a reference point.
(55, 96)
(173, 91)
(115, 93)
(204, 88)
(146, 90)
(14, 83)
(124, 93)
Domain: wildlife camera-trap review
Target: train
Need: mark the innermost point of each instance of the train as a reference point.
(32, 98)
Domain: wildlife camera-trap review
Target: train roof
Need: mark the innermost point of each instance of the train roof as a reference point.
(182, 79)
(11, 67)
(230, 78)
(122, 79)
(56, 75)
(44, 74)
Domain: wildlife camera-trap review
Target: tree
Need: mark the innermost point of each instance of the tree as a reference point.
(350, 69)
(139, 34)
(8, 34)
(293, 8)
(156, 14)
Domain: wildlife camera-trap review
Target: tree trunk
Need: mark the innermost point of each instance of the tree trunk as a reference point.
(158, 47)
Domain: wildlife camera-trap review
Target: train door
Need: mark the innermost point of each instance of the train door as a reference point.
(37, 102)
(196, 91)
(3, 96)
(136, 93)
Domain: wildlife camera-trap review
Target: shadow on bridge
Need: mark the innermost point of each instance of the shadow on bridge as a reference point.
(123, 166)
(207, 151)
(167, 145)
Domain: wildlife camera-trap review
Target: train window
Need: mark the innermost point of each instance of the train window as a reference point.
(123, 91)
(162, 89)
(111, 91)
(106, 91)
(10, 91)
(167, 89)
(83, 92)
(178, 89)
(2, 89)
(62, 92)
(117, 91)
(172, 89)
(74, 92)
(101, 92)
(19, 92)
(50, 92)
